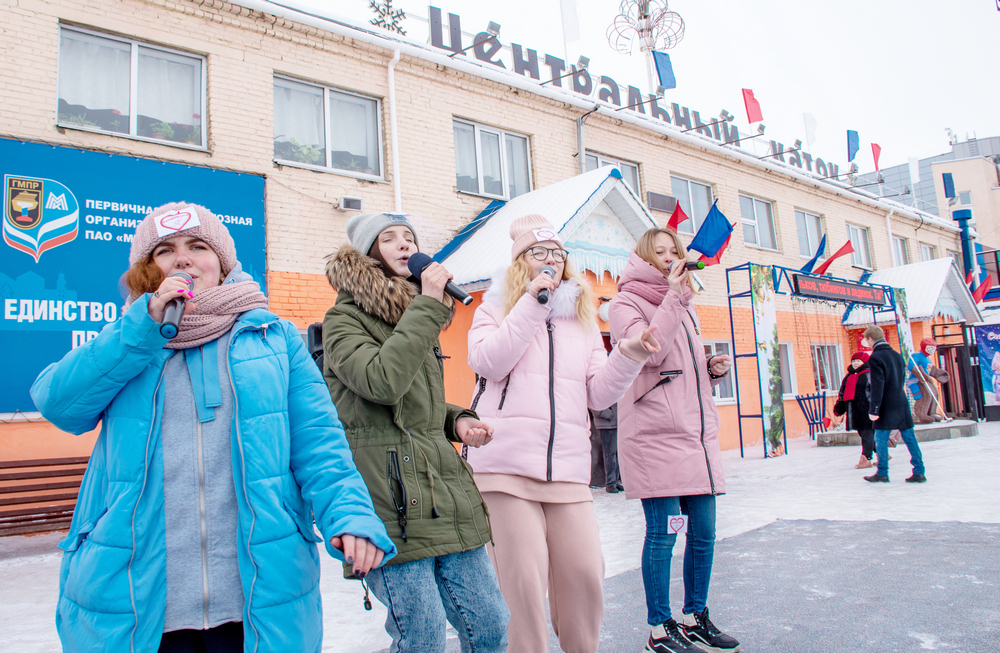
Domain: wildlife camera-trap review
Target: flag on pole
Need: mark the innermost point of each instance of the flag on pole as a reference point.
(570, 21)
(968, 280)
(852, 144)
(810, 123)
(876, 151)
(846, 249)
(983, 288)
(677, 217)
(753, 107)
(808, 267)
(914, 171)
(714, 260)
(714, 233)
(664, 70)
(949, 185)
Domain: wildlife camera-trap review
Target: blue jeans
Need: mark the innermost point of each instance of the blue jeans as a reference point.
(657, 551)
(421, 594)
(882, 449)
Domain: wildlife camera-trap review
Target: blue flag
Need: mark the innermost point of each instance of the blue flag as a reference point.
(808, 267)
(713, 234)
(852, 144)
(949, 185)
(664, 70)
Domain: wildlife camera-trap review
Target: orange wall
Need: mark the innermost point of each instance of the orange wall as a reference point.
(36, 440)
(301, 298)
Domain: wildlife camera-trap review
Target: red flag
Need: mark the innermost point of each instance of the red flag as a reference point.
(968, 278)
(983, 288)
(718, 255)
(846, 249)
(677, 217)
(753, 106)
(876, 150)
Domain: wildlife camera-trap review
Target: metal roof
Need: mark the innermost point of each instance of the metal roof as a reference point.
(598, 217)
(932, 288)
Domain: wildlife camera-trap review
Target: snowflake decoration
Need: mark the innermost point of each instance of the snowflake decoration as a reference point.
(386, 17)
(650, 22)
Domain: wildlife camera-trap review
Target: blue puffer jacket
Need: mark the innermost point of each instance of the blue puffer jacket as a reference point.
(290, 460)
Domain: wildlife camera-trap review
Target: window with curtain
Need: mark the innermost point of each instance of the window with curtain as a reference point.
(826, 367)
(128, 88)
(758, 222)
(723, 390)
(349, 142)
(862, 255)
(810, 228)
(695, 200)
(630, 171)
(490, 161)
(900, 255)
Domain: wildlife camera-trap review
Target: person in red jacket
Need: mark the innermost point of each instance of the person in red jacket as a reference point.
(852, 402)
(668, 439)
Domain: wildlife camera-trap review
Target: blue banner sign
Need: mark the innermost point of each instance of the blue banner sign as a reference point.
(988, 340)
(68, 220)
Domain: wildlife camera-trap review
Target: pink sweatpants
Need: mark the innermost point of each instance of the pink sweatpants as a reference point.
(554, 546)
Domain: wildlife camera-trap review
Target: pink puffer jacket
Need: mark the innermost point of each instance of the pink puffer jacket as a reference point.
(524, 364)
(668, 439)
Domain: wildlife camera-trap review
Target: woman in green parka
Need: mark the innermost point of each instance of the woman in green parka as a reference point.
(384, 367)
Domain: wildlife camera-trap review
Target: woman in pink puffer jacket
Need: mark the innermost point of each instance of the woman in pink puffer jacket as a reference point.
(540, 367)
(668, 444)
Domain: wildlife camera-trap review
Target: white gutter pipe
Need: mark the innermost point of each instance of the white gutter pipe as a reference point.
(462, 64)
(397, 182)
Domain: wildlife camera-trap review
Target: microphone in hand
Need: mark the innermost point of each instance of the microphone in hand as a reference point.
(694, 265)
(172, 314)
(543, 295)
(418, 261)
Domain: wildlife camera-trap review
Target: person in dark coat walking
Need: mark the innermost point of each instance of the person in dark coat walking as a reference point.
(606, 422)
(853, 402)
(888, 407)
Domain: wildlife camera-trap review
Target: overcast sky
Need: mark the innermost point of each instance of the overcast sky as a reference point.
(897, 71)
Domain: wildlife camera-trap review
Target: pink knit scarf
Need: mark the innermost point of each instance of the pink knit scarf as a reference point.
(651, 292)
(217, 311)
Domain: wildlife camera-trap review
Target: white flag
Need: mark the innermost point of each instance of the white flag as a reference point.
(810, 122)
(570, 21)
(914, 170)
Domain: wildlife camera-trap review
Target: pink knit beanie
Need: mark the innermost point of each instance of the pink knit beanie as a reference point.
(183, 218)
(528, 230)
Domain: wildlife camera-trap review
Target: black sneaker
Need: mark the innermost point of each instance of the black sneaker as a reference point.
(917, 478)
(702, 632)
(668, 638)
(875, 478)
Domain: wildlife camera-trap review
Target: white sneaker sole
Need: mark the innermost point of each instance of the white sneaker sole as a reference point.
(713, 649)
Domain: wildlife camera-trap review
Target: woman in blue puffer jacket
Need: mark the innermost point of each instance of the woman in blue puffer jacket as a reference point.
(194, 525)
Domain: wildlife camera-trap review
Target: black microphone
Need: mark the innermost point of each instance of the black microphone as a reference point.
(418, 261)
(694, 265)
(543, 295)
(175, 310)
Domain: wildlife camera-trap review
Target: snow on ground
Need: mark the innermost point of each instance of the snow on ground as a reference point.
(810, 483)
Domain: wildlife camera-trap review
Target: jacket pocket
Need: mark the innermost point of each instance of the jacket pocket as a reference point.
(77, 534)
(304, 524)
(397, 489)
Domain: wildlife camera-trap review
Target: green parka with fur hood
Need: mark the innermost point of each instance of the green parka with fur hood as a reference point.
(383, 364)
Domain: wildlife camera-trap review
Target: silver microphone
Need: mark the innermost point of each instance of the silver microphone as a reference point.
(543, 295)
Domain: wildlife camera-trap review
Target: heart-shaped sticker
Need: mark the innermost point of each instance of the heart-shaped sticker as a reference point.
(176, 221)
(676, 524)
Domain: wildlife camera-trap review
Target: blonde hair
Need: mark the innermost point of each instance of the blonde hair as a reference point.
(519, 275)
(874, 333)
(645, 248)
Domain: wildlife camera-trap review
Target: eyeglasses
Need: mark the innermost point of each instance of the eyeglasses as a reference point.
(540, 253)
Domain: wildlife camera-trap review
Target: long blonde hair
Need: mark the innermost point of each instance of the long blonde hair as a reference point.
(645, 248)
(519, 275)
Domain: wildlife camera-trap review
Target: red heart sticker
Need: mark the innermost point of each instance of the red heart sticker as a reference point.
(177, 221)
(542, 235)
(676, 524)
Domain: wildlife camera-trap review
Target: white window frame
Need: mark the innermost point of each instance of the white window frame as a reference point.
(900, 251)
(328, 165)
(856, 255)
(605, 161)
(133, 100)
(812, 240)
(755, 223)
(693, 223)
(793, 381)
(504, 173)
(927, 249)
(833, 371)
(715, 388)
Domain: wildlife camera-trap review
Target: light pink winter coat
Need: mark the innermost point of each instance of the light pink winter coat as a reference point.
(668, 441)
(533, 436)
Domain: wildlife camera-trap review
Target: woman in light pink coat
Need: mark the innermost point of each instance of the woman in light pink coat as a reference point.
(668, 444)
(541, 366)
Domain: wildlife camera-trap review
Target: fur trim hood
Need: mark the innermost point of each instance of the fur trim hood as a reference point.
(385, 297)
(562, 301)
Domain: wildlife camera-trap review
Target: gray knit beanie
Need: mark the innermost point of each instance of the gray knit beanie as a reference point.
(362, 230)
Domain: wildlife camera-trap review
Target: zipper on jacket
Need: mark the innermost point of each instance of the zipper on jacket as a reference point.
(400, 506)
(701, 404)
(552, 402)
(481, 381)
(503, 393)
(441, 358)
(204, 523)
(145, 470)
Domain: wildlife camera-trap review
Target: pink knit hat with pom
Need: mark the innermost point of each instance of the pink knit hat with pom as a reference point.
(528, 230)
(183, 219)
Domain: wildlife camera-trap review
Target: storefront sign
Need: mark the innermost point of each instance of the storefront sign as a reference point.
(525, 61)
(68, 220)
(840, 291)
